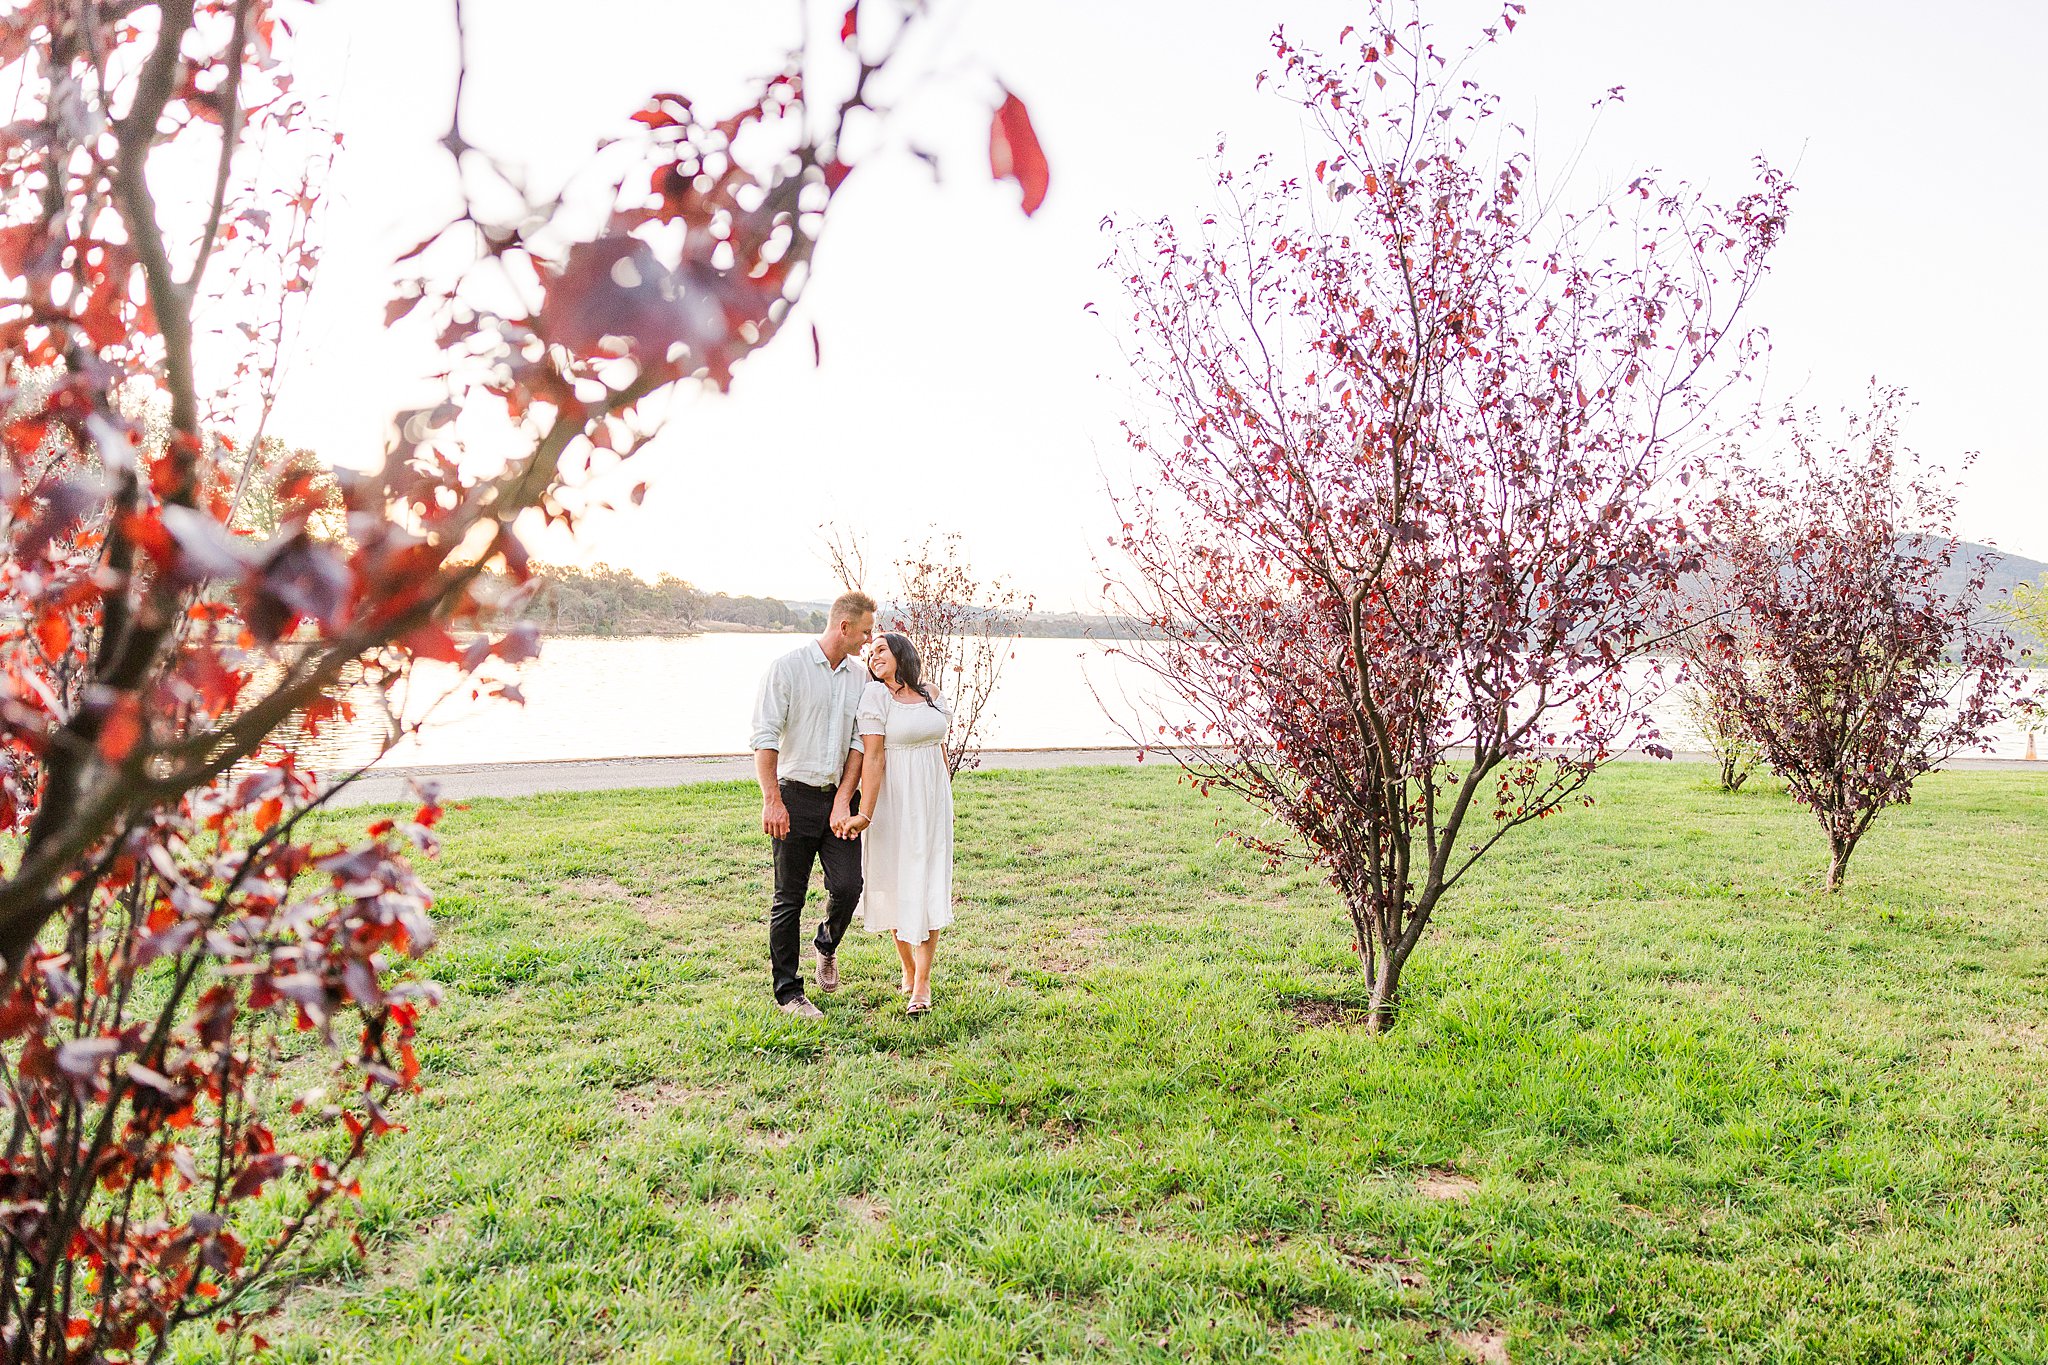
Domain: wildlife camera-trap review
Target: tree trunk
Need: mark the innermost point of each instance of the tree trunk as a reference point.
(1838, 861)
(1732, 776)
(1364, 942)
(1386, 990)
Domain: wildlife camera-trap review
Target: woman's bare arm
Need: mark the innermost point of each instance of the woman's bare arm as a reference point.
(872, 768)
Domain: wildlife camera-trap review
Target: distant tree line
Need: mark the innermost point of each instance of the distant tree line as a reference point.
(603, 600)
(763, 612)
(1074, 625)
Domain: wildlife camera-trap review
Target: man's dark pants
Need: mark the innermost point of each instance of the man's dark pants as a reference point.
(810, 840)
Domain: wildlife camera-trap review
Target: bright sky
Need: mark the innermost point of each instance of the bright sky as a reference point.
(964, 385)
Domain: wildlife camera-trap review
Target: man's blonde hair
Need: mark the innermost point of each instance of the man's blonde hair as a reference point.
(851, 606)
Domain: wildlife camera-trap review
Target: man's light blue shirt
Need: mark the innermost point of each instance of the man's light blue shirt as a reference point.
(805, 711)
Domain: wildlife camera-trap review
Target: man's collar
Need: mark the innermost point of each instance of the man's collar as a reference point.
(818, 655)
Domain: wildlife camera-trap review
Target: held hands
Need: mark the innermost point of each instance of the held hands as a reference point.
(848, 826)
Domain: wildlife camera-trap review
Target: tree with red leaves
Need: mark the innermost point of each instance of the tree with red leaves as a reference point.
(1412, 434)
(1704, 702)
(962, 626)
(1838, 645)
(168, 916)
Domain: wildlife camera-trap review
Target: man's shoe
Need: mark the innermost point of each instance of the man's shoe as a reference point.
(801, 1008)
(828, 973)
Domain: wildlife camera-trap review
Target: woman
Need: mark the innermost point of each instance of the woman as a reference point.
(906, 819)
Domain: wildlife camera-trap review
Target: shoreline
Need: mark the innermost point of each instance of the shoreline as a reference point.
(537, 777)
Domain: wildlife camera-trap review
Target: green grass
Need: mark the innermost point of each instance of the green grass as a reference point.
(1696, 1109)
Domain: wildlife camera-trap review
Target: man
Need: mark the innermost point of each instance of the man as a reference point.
(807, 760)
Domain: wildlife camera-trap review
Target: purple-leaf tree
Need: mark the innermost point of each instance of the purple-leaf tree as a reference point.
(1410, 436)
(1844, 646)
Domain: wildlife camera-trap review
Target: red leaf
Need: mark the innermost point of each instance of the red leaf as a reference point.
(123, 730)
(654, 116)
(361, 979)
(399, 307)
(433, 642)
(521, 642)
(258, 1173)
(850, 25)
(421, 246)
(613, 295)
(102, 316)
(15, 243)
(167, 943)
(53, 633)
(1014, 153)
(302, 579)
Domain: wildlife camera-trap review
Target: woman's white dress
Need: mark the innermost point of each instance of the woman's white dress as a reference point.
(907, 850)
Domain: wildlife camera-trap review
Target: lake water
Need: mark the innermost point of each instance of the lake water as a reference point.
(657, 697)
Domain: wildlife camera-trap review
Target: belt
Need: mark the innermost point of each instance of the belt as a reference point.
(829, 788)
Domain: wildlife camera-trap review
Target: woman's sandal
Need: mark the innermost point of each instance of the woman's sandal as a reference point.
(917, 1006)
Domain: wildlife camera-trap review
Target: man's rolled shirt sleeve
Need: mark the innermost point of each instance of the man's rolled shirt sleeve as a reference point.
(771, 710)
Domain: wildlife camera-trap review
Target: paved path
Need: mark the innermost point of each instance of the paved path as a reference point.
(612, 774)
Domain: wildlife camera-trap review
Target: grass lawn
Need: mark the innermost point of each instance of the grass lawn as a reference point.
(1653, 1096)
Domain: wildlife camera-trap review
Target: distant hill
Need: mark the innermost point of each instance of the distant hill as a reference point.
(2004, 572)
(2007, 571)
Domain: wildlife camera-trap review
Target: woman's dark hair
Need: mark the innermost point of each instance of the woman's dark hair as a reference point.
(909, 671)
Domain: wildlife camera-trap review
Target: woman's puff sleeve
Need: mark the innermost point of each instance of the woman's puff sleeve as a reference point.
(873, 716)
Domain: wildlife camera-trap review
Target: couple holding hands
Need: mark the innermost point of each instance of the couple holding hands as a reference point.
(849, 749)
